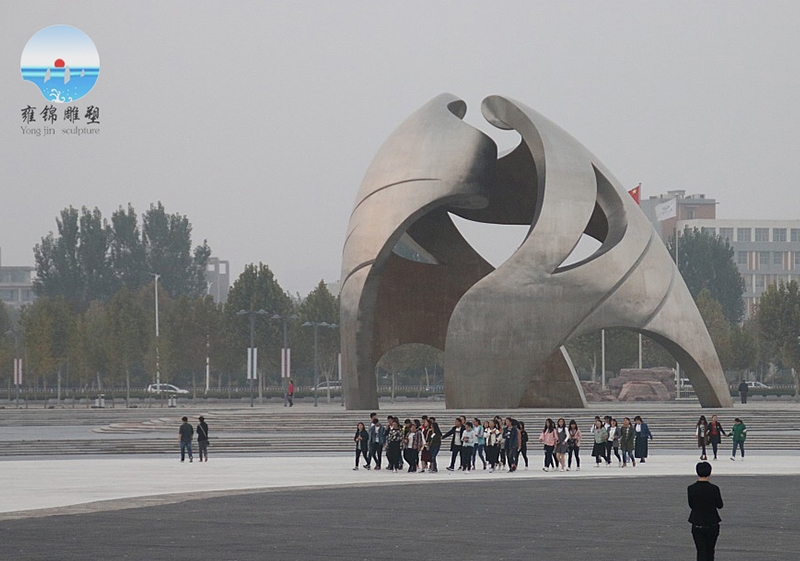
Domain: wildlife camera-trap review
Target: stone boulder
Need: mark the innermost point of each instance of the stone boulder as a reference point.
(644, 391)
(594, 392)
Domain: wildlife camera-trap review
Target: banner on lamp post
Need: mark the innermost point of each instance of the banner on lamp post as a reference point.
(252, 363)
(286, 363)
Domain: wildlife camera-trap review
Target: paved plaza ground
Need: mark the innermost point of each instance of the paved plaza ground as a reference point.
(472, 518)
(305, 506)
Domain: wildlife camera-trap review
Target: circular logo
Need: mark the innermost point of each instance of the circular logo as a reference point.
(62, 61)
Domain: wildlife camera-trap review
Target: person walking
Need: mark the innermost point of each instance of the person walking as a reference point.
(715, 434)
(512, 444)
(702, 435)
(743, 390)
(600, 438)
(574, 445)
(467, 445)
(613, 438)
(289, 394)
(394, 444)
(523, 443)
(627, 442)
(377, 439)
(361, 439)
(202, 439)
(435, 444)
(549, 439)
(643, 434)
(493, 445)
(413, 444)
(455, 443)
(562, 436)
(739, 435)
(705, 500)
(185, 435)
(480, 443)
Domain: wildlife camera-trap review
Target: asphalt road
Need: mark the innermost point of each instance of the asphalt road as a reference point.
(571, 520)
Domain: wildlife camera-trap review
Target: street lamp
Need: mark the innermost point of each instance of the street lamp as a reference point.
(158, 367)
(285, 319)
(17, 362)
(316, 325)
(252, 355)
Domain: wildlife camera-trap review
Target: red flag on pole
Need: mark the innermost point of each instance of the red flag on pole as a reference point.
(636, 193)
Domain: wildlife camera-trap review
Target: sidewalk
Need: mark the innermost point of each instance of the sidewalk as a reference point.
(146, 480)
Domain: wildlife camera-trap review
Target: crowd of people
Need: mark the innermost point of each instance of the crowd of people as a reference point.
(496, 444)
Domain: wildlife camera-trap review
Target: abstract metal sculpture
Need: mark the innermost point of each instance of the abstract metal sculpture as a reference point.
(408, 276)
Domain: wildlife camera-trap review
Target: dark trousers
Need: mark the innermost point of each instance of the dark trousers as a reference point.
(577, 451)
(512, 455)
(454, 453)
(466, 458)
(375, 453)
(743, 396)
(616, 453)
(412, 458)
(524, 452)
(609, 445)
(477, 452)
(202, 446)
(705, 540)
(186, 447)
(434, 453)
(714, 446)
(548, 456)
(359, 453)
(393, 455)
(739, 444)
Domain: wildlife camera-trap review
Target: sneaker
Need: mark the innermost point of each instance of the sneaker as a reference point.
(367, 467)
(449, 468)
(567, 469)
(491, 470)
(733, 459)
(577, 469)
(355, 468)
(544, 469)
(562, 469)
(377, 467)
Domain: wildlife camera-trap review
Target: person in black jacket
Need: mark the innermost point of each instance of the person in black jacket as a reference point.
(202, 439)
(185, 435)
(455, 443)
(361, 439)
(704, 500)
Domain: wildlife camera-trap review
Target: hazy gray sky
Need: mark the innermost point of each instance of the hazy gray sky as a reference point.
(258, 119)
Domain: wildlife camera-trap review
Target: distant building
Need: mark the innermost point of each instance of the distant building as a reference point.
(689, 207)
(218, 278)
(767, 252)
(16, 285)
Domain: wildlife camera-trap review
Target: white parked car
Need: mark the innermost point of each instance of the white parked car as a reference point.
(166, 388)
(757, 385)
(333, 384)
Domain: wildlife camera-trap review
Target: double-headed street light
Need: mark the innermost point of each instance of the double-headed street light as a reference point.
(316, 325)
(285, 357)
(252, 355)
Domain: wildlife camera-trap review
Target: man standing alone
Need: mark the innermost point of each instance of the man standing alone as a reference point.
(186, 433)
(743, 389)
(704, 500)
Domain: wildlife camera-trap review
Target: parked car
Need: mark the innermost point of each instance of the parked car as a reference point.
(166, 388)
(752, 384)
(332, 384)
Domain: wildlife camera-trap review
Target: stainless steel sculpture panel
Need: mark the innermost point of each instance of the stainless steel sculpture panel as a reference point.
(503, 329)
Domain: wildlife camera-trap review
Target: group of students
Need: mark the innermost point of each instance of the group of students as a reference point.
(497, 443)
(711, 433)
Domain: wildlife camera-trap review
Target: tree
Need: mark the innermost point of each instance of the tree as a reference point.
(72, 265)
(321, 306)
(127, 325)
(168, 248)
(48, 327)
(778, 317)
(257, 289)
(706, 262)
(717, 324)
(93, 344)
(90, 259)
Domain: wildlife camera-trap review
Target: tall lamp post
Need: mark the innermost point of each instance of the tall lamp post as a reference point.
(285, 358)
(158, 366)
(252, 355)
(17, 362)
(316, 325)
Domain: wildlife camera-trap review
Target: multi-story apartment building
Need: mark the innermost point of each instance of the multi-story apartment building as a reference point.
(218, 278)
(16, 285)
(766, 251)
(688, 207)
